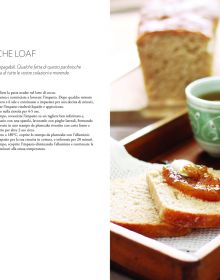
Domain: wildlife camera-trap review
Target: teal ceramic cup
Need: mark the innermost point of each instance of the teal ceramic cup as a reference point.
(205, 114)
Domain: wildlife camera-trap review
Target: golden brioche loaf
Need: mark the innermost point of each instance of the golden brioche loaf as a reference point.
(175, 45)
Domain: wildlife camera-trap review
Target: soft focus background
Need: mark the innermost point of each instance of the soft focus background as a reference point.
(128, 97)
(129, 105)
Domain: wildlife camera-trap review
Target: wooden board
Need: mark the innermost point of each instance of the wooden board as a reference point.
(145, 257)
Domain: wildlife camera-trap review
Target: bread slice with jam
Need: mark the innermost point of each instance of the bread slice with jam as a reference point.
(179, 208)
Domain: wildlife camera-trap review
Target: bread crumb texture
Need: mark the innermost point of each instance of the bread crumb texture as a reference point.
(170, 61)
(133, 208)
(131, 202)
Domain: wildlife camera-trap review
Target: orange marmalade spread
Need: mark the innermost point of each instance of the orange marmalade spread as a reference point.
(194, 180)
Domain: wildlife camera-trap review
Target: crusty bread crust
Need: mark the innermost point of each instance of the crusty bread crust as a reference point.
(173, 216)
(191, 220)
(143, 37)
(158, 230)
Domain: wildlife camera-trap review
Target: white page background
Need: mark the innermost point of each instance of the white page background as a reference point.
(54, 204)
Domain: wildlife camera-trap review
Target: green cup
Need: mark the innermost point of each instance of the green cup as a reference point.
(205, 114)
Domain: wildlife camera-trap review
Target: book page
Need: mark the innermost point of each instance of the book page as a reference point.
(53, 140)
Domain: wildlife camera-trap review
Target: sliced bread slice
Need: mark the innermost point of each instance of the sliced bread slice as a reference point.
(180, 209)
(133, 208)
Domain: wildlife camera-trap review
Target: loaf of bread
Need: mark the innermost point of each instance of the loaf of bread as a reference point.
(180, 209)
(175, 45)
(132, 207)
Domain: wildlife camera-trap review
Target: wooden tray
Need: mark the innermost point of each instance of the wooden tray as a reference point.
(147, 258)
